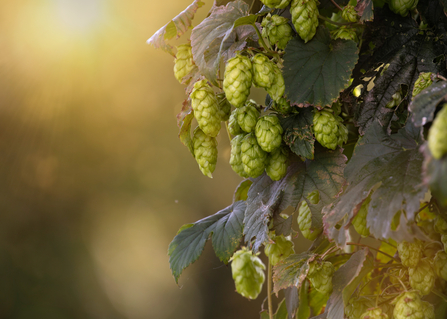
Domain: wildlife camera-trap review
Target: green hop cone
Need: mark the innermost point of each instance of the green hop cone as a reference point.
(305, 18)
(263, 74)
(277, 30)
(320, 275)
(440, 264)
(359, 221)
(183, 63)
(247, 116)
(410, 253)
(205, 151)
(329, 130)
(253, 157)
(345, 33)
(233, 126)
(279, 249)
(282, 106)
(268, 132)
(224, 107)
(305, 217)
(408, 305)
(236, 156)
(424, 81)
(238, 79)
(277, 4)
(374, 313)
(402, 7)
(428, 309)
(278, 87)
(356, 307)
(396, 98)
(437, 143)
(276, 167)
(248, 273)
(422, 277)
(441, 225)
(206, 108)
(349, 14)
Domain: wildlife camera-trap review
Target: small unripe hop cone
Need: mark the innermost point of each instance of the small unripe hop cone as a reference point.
(320, 276)
(269, 132)
(184, 63)
(253, 157)
(236, 156)
(277, 30)
(328, 129)
(305, 18)
(402, 7)
(248, 273)
(410, 253)
(437, 136)
(247, 116)
(408, 305)
(205, 152)
(279, 249)
(276, 167)
(238, 78)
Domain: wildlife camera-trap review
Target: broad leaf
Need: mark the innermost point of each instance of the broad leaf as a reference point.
(292, 302)
(184, 119)
(364, 9)
(226, 229)
(291, 271)
(282, 224)
(267, 197)
(435, 176)
(317, 301)
(281, 312)
(304, 308)
(298, 132)
(424, 104)
(395, 164)
(175, 28)
(317, 71)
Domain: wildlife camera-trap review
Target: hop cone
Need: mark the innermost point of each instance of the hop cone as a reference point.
(396, 98)
(305, 217)
(224, 107)
(276, 167)
(205, 151)
(328, 129)
(236, 156)
(408, 305)
(428, 310)
(278, 87)
(237, 79)
(320, 276)
(305, 18)
(206, 109)
(253, 157)
(282, 106)
(359, 221)
(280, 249)
(441, 225)
(402, 7)
(422, 277)
(233, 125)
(345, 33)
(277, 4)
(263, 74)
(356, 307)
(410, 253)
(440, 264)
(247, 116)
(277, 30)
(183, 62)
(349, 14)
(374, 313)
(437, 141)
(268, 132)
(248, 273)
(424, 81)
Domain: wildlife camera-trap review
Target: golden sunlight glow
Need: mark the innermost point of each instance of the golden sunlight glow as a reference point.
(79, 16)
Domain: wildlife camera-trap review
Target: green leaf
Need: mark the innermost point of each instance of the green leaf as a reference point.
(176, 27)
(225, 227)
(393, 163)
(241, 192)
(291, 298)
(298, 133)
(317, 301)
(304, 309)
(364, 9)
(282, 224)
(291, 271)
(184, 119)
(366, 267)
(316, 72)
(424, 104)
(435, 176)
(267, 197)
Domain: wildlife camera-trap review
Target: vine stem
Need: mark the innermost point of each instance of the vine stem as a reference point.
(336, 4)
(441, 77)
(378, 250)
(261, 38)
(269, 290)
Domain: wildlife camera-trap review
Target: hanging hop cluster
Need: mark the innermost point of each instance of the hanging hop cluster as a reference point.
(277, 30)
(328, 129)
(248, 273)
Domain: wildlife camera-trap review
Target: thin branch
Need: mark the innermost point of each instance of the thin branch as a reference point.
(336, 4)
(269, 290)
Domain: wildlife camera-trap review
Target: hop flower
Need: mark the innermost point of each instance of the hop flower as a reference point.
(206, 109)
(440, 264)
(224, 107)
(205, 151)
(374, 313)
(263, 74)
(305, 18)
(328, 129)
(237, 79)
(408, 305)
(424, 81)
(349, 14)
(276, 167)
(248, 273)
(396, 98)
(437, 143)
(402, 7)
(345, 33)
(278, 87)
(422, 277)
(279, 249)
(282, 106)
(320, 275)
(247, 116)
(359, 221)
(236, 155)
(253, 157)
(277, 30)
(356, 307)
(277, 4)
(183, 63)
(233, 126)
(428, 310)
(268, 132)
(410, 253)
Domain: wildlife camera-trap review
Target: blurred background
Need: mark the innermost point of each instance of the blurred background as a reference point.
(94, 182)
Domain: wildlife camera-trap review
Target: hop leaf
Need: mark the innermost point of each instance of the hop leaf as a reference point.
(423, 81)
(359, 221)
(328, 129)
(247, 116)
(277, 4)
(205, 151)
(263, 74)
(349, 14)
(206, 109)
(236, 156)
(279, 249)
(253, 157)
(183, 63)
(408, 305)
(374, 313)
(233, 126)
(410, 253)
(276, 167)
(437, 143)
(276, 91)
(402, 7)
(268, 132)
(440, 264)
(248, 273)
(422, 277)
(238, 79)
(305, 18)
(277, 30)
(320, 275)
